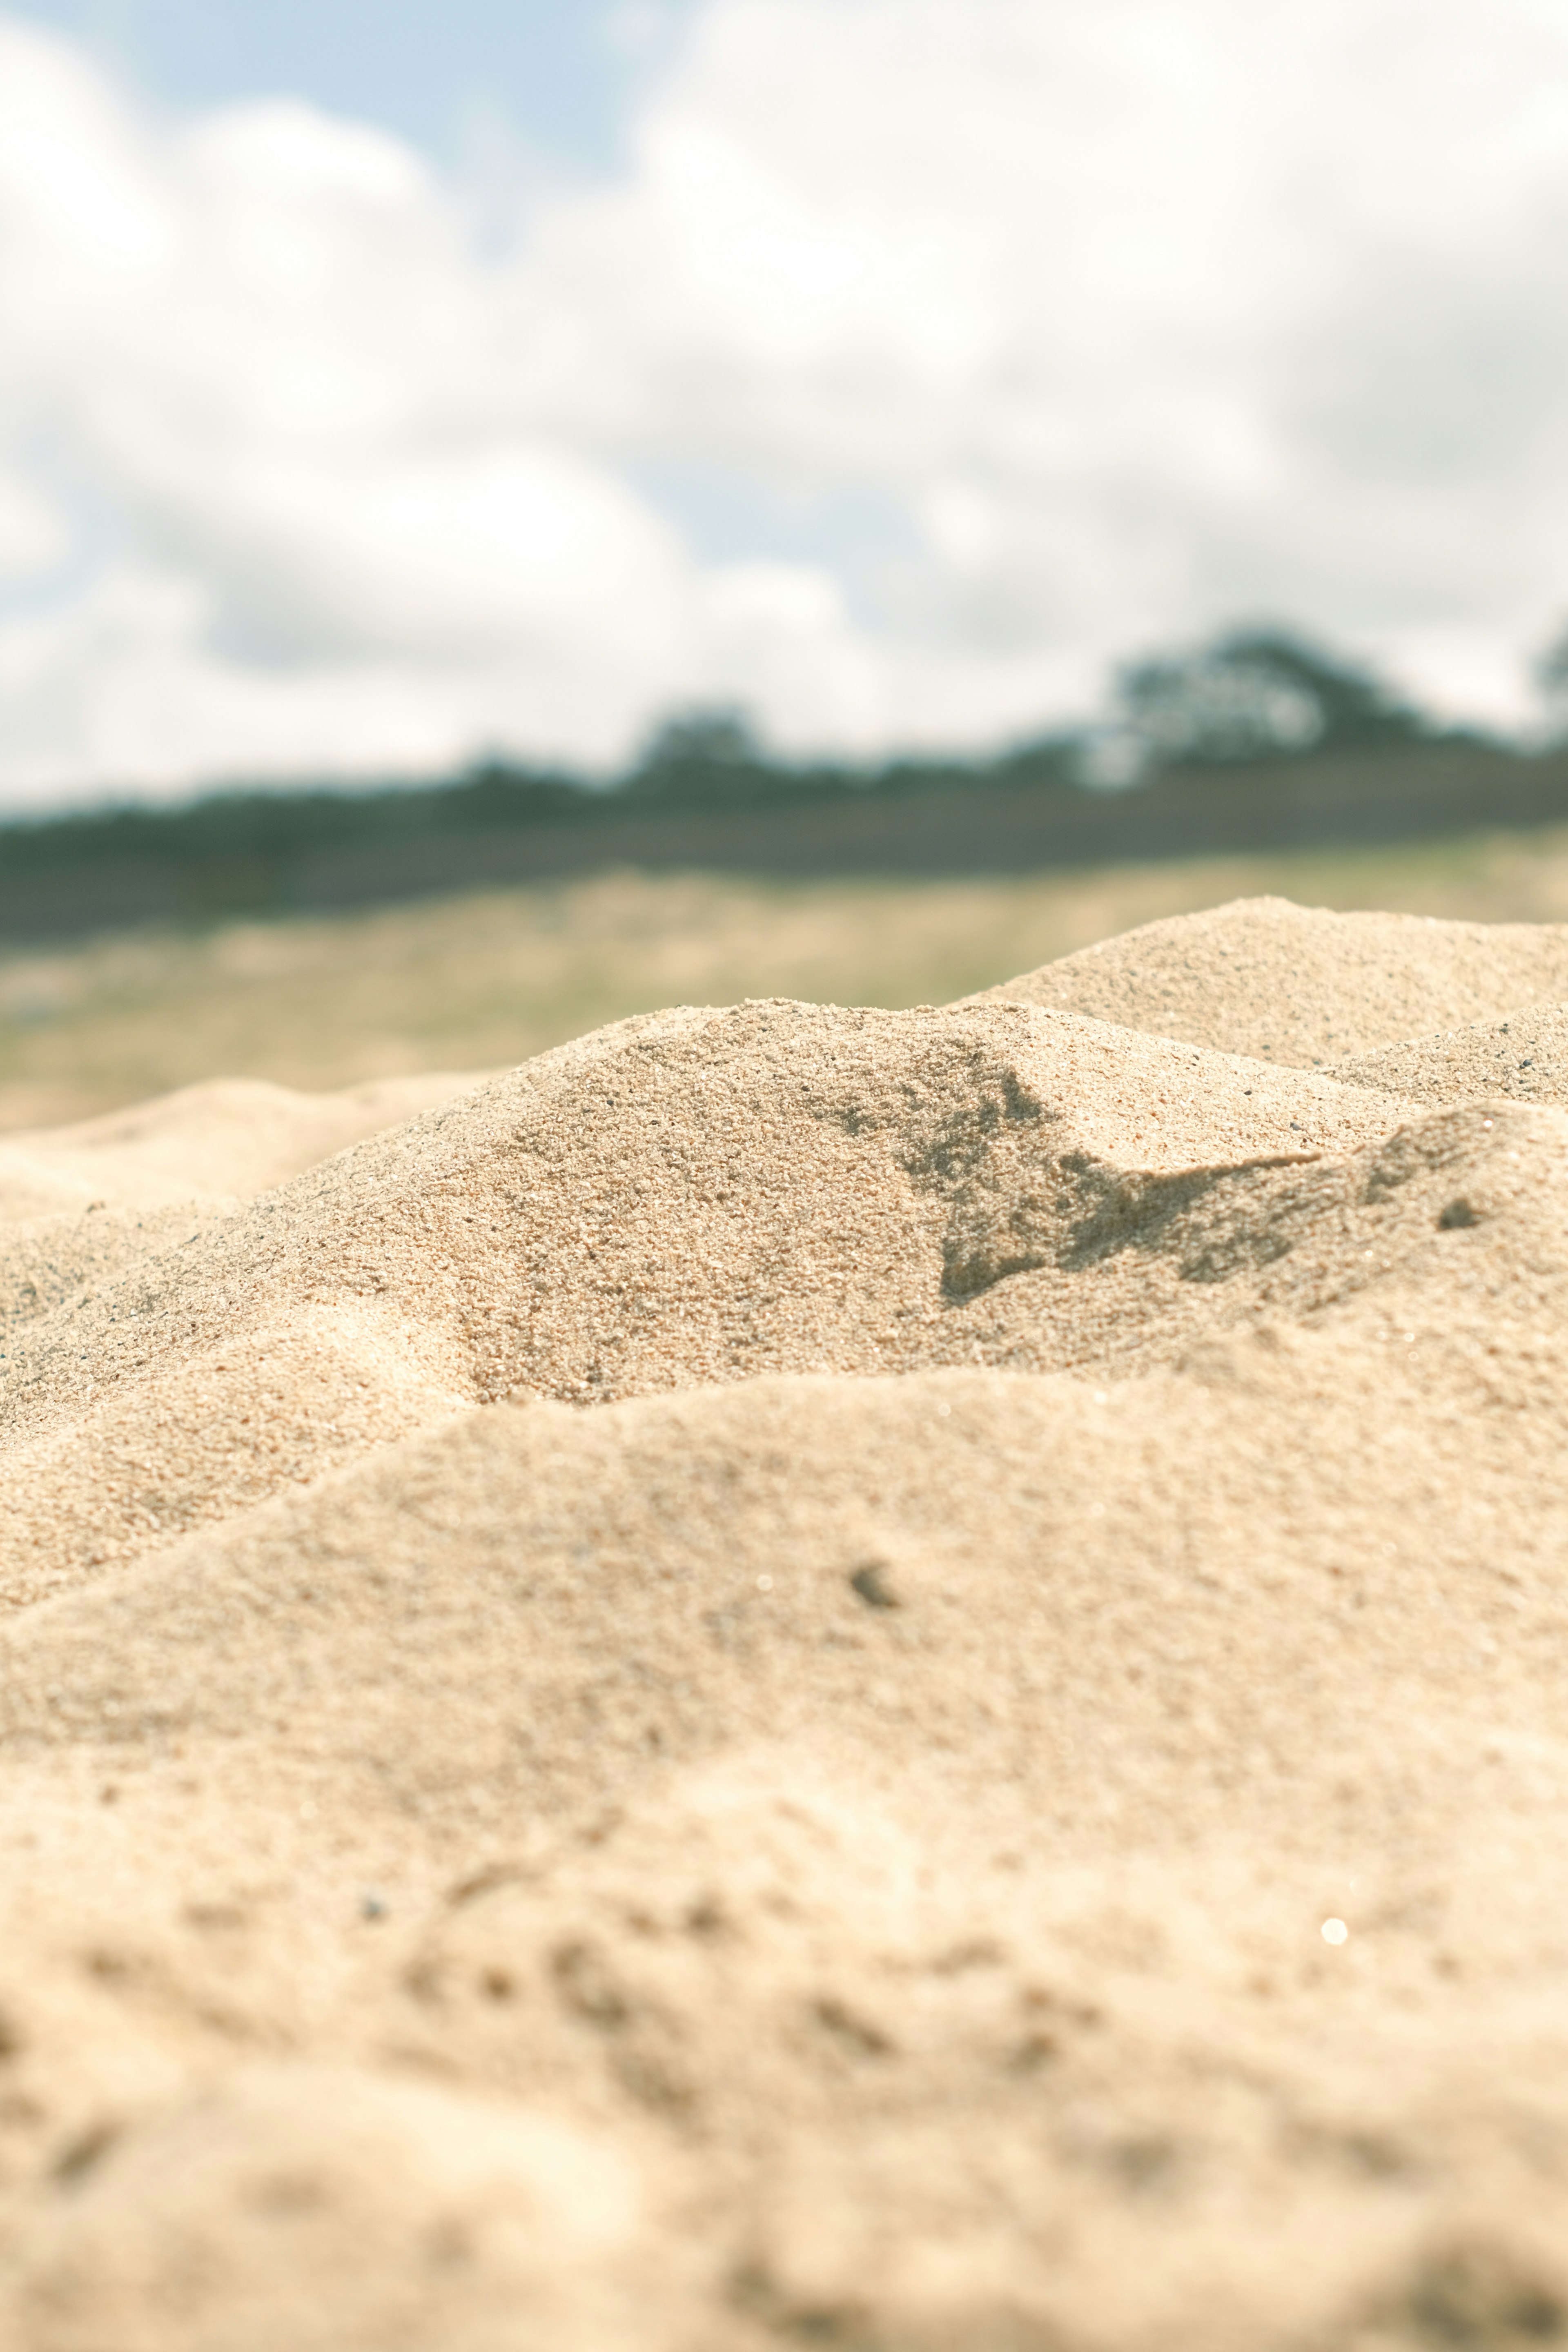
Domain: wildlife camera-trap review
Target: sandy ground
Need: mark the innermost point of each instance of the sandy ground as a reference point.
(794, 1675)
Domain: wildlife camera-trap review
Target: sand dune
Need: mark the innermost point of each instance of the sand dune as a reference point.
(1300, 984)
(226, 1139)
(715, 1695)
(79, 1204)
(1524, 1057)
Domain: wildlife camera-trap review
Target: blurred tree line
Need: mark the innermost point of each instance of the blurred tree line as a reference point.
(1249, 695)
(1251, 701)
(1256, 695)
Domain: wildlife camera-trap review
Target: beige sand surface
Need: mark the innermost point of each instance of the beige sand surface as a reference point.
(1524, 1057)
(226, 1139)
(1301, 984)
(714, 1696)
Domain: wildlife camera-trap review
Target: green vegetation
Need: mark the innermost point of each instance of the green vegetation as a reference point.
(1252, 742)
(1257, 694)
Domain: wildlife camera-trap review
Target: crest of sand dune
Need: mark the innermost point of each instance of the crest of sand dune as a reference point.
(78, 1204)
(224, 1140)
(1302, 985)
(1524, 1057)
(893, 1680)
(689, 1198)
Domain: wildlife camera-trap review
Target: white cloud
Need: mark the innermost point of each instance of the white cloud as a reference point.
(1143, 315)
(33, 535)
(282, 506)
(1035, 330)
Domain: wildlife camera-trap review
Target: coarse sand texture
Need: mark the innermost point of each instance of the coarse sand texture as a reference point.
(894, 1680)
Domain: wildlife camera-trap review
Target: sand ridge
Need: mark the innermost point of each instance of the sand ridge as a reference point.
(766, 1646)
(224, 1140)
(701, 1196)
(79, 1204)
(1302, 985)
(1524, 1057)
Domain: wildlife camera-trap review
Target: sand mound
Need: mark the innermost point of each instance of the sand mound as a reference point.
(226, 1139)
(699, 1196)
(1524, 1058)
(832, 1843)
(1303, 985)
(79, 1204)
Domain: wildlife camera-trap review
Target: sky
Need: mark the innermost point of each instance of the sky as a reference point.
(552, 78)
(385, 386)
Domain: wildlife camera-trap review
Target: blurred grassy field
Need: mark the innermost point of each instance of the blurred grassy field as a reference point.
(480, 982)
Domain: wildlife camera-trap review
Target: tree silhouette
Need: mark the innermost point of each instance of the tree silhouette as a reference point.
(1256, 694)
(1552, 674)
(701, 754)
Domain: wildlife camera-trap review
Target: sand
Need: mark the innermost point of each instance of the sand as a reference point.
(1301, 984)
(79, 1203)
(714, 1694)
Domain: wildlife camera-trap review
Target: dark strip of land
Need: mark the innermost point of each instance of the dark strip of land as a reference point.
(293, 853)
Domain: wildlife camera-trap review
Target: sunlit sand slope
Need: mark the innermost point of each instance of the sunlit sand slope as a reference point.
(1300, 984)
(800, 1675)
